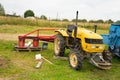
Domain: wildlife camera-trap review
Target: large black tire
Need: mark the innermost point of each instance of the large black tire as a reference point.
(75, 60)
(59, 45)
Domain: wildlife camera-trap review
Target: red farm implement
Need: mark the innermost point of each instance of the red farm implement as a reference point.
(33, 44)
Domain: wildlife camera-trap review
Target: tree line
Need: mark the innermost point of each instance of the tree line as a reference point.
(30, 13)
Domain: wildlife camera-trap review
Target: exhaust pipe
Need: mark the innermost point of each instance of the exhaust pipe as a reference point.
(75, 29)
(95, 26)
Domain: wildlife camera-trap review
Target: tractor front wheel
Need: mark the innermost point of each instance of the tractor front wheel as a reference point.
(75, 60)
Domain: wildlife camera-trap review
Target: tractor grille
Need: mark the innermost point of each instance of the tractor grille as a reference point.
(93, 41)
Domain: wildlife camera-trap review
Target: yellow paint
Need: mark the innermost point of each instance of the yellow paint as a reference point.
(82, 34)
(62, 32)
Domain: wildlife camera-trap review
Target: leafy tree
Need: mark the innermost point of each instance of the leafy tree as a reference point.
(96, 21)
(117, 22)
(82, 20)
(43, 17)
(2, 11)
(65, 20)
(73, 20)
(29, 13)
(109, 21)
(79, 20)
(100, 21)
(56, 20)
(91, 21)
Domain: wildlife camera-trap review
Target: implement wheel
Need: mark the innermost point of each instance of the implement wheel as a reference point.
(75, 60)
(59, 45)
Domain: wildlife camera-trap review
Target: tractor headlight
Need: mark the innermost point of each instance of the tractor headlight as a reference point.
(92, 47)
(101, 47)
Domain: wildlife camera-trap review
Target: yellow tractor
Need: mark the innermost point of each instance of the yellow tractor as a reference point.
(82, 44)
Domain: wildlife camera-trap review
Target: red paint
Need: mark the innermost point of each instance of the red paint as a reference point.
(35, 38)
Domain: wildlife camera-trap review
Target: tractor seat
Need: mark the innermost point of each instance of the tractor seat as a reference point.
(70, 29)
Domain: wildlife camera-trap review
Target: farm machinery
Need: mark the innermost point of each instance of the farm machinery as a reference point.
(113, 38)
(82, 44)
(33, 44)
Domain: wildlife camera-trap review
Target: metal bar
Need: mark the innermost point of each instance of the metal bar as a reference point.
(30, 33)
(38, 30)
(48, 29)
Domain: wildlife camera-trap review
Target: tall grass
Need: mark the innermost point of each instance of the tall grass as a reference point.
(47, 23)
(101, 26)
(30, 22)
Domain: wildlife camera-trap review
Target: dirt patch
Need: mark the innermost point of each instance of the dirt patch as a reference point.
(6, 36)
(3, 62)
(14, 37)
(5, 79)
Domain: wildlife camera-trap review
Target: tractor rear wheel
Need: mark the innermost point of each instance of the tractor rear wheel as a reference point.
(59, 45)
(75, 60)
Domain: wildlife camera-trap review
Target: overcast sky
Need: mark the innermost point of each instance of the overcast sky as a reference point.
(88, 9)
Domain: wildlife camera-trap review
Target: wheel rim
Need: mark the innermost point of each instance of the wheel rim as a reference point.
(73, 60)
(57, 46)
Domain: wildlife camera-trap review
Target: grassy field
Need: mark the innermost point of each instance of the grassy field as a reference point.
(21, 65)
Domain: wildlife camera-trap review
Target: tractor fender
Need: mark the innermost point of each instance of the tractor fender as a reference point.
(62, 32)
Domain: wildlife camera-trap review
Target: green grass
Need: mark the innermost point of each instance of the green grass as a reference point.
(23, 29)
(16, 28)
(100, 31)
(21, 66)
